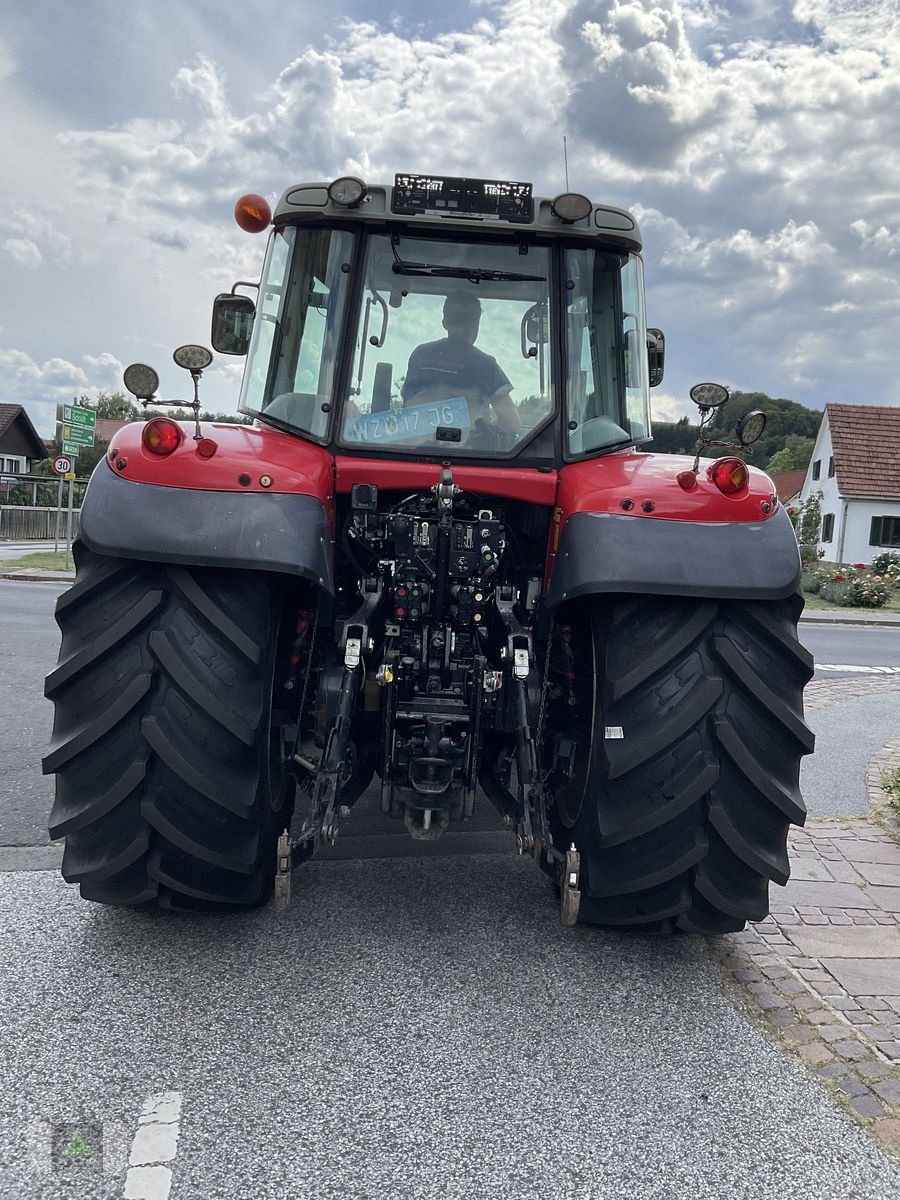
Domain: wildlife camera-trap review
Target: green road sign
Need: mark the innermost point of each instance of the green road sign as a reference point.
(70, 448)
(79, 435)
(73, 415)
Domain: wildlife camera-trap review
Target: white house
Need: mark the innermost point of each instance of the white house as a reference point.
(856, 467)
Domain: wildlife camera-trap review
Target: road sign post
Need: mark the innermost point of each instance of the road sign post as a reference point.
(59, 496)
(69, 521)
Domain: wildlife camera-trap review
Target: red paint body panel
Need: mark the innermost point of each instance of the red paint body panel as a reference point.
(512, 483)
(292, 464)
(601, 484)
(300, 467)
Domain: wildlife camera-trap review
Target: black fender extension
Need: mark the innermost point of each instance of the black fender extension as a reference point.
(272, 531)
(740, 560)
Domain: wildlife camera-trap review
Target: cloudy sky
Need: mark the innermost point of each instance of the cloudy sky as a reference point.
(756, 140)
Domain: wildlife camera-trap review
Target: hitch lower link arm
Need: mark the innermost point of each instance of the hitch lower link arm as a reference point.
(532, 795)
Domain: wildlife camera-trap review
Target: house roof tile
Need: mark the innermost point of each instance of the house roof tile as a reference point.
(866, 443)
(12, 413)
(788, 484)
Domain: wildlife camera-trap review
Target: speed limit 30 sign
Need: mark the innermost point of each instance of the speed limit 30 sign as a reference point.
(63, 465)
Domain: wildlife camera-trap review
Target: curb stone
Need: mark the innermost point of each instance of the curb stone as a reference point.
(34, 575)
(850, 1042)
(856, 1072)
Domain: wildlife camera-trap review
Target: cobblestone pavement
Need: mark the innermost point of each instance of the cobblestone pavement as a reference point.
(824, 968)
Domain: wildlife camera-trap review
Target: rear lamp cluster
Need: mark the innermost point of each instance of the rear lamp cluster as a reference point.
(730, 475)
(162, 436)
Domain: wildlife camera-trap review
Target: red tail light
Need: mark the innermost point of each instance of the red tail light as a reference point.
(730, 475)
(162, 436)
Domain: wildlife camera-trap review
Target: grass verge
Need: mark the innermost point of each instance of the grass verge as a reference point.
(47, 560)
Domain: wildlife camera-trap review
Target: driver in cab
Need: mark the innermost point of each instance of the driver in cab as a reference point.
(455, 366)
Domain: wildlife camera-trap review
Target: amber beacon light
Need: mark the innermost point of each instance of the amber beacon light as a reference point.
(253, 213)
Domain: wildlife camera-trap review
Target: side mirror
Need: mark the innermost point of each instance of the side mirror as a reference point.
(656, 355)
(232, 323)
(535, 330)
(536, 324)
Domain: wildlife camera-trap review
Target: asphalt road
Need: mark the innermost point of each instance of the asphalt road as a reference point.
(407, 1029)
(410, 1027)
(854, 645)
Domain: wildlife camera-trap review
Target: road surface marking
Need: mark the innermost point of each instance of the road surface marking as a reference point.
(155, 1142)
(860, 670)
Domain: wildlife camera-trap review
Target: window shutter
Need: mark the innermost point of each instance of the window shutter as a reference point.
(875, 531)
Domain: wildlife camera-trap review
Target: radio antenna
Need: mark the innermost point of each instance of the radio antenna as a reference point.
(566, 160)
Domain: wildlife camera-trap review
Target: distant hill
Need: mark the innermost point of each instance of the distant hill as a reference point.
(785, 420)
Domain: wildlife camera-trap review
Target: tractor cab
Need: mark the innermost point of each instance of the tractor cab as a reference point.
(446, 318)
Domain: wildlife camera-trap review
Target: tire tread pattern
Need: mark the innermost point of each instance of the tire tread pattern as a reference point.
(685, 819)
(160, 742)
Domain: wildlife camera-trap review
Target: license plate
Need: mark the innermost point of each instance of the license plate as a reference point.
(414, 421)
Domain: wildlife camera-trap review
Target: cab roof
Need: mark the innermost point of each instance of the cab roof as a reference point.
(459, 203)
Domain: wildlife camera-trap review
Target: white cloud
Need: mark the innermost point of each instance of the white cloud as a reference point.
(752, 139)
(666, 407)
(40, 386)
(882, 240)
(22, 251)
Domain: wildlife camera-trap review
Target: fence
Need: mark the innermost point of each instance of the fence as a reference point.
(37, 521)
(22, 523)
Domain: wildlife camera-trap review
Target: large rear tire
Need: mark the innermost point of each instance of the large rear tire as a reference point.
(689, 733)
(169, 784)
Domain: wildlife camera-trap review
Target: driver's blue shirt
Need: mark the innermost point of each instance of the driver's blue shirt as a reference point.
(455, 364)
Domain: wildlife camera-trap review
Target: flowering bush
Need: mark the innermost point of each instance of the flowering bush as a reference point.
(868, 591)
(836, 590)
(888, 566)
(813, 579)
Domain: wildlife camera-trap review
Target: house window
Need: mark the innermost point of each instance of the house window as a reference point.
(884, 531)
(817, 468)
(831, 467)
(828, 527)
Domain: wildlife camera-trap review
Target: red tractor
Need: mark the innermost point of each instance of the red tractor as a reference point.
(441, 564)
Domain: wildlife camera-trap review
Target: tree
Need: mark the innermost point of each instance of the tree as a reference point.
(809, 519)
(784, 418)
(187, 414)
(793, 456)
(678, 437)
(111, 406)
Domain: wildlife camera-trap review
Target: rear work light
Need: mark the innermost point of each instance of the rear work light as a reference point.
(162, 436)
(730, 475)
